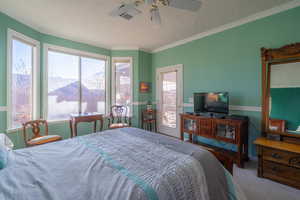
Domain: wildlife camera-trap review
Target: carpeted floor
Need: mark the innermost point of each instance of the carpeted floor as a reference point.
(258, 188)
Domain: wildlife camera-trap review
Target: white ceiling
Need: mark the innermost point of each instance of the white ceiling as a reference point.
(88, 21)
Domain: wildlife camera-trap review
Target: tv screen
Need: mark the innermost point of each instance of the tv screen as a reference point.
(217, 102)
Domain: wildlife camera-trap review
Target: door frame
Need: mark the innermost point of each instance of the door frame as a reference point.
(179, 69)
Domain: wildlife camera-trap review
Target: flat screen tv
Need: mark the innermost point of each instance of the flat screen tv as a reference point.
(214, 102)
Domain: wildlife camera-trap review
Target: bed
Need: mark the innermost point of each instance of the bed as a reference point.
(120, 164)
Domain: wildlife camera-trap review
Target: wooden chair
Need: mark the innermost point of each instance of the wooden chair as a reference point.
(37, 138)
(119, 117)
(149, 120)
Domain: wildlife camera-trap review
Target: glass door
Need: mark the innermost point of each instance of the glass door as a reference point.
(169, 97)
(169, 101)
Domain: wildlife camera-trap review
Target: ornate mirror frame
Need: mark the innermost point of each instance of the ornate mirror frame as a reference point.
(286, 54)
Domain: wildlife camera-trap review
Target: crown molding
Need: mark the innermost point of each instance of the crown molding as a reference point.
(130, 49)
(122, 48)
(237, 23)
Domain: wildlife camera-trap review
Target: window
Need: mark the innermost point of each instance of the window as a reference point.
(63, 85)
(76, 83)
(122, 82)
(23, 62)
(93, 85)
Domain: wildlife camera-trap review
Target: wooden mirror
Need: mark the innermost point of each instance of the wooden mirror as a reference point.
(281, 91)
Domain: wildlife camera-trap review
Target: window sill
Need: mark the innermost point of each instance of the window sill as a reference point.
(57, 121)
(13, 130)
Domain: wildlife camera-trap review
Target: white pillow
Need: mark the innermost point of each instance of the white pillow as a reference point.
(6, 145)
(3, 157)
(5, 142)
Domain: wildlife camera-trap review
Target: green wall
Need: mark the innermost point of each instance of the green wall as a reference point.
(226, 61)
(230, 61)
(142, 62)
(285, 105)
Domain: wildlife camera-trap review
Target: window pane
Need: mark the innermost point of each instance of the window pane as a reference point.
(93, 85)
(21, 90)
(123, 84)
(169, 97)
(63, 85)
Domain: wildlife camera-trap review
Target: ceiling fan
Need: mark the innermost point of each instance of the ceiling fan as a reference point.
(129, 10)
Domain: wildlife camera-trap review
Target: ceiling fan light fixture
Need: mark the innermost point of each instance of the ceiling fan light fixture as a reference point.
(155, 15)
(150, 2)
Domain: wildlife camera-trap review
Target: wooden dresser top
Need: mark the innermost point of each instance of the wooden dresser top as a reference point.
(284, 146)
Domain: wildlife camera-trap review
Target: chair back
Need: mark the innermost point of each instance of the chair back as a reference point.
(118, 113)
(148, 115)
(35, 128)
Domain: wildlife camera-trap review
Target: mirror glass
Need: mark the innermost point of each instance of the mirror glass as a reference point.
(284, 105)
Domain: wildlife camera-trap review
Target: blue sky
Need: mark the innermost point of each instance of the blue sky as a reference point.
(60, 64)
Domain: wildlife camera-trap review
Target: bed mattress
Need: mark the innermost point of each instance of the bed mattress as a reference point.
(120, 164)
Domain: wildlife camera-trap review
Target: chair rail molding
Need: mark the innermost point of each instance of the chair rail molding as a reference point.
(3, 108)
(233, 107)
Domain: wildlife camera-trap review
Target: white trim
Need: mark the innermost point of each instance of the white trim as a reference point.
(138, 103)
(179, 69)
(13, 130)
(75, 52)
(130, 49)
(124, 48)
(113, 80)
(285, 86)
(3, 108)
(11, 34)
(188, 105)
(107, 86)
(233, 107)
(45, 82)
(240, 22)
(246, 108)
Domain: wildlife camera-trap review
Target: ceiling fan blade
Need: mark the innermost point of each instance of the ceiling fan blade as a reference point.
(150, 2)
(191, 5)
(127, 11)
(115, 12)
(155, 16)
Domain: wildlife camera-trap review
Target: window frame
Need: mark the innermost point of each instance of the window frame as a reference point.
(80, 54)
(113, 81)
(14, 35)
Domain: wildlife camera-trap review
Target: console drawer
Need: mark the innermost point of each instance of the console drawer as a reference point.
(277, 156)
(281, 173)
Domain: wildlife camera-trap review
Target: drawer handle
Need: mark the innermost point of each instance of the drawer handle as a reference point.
(274, 169)
(295, 161)
(276, 155)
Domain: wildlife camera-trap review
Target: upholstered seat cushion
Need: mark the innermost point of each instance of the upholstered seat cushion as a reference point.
(119, 125)
(44, 139)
